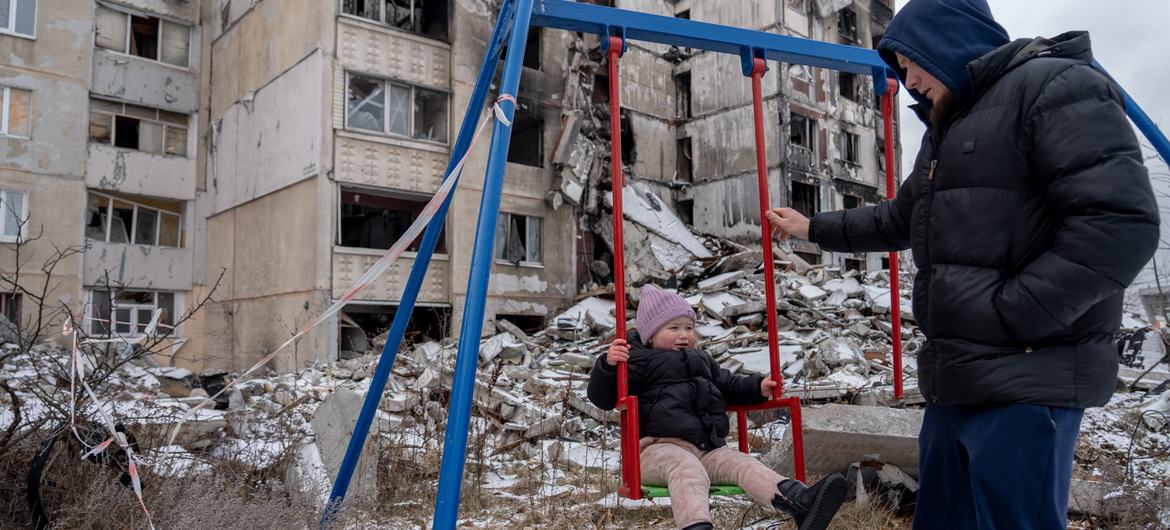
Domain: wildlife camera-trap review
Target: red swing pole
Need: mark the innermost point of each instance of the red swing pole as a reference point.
(759, 66)
(627, 404)
(891, 190)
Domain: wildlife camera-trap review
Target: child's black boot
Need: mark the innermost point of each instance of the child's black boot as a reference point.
(812, 507)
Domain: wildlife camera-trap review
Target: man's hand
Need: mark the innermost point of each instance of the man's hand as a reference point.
(618, 352)
(766, 386)
(787, 222)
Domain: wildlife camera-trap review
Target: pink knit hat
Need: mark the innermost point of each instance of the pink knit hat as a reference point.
(657, 307)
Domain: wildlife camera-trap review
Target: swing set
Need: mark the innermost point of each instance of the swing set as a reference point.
(616, 27)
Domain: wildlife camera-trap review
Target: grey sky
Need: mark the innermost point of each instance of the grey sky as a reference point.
(1130, 39)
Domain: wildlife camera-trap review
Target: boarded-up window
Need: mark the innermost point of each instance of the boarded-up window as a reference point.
(15, 118)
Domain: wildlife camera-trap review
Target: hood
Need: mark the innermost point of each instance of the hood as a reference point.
(942, 36)
(986, 70)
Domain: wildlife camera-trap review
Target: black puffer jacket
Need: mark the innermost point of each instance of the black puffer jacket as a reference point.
(1028, 213)
(681, 393)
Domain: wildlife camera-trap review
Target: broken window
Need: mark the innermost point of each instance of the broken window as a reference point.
(372, 219)
(812, 258)
(682, 85)
(601, 89)
(128, 313)
(531, 49)
(15, 109)
(802, 130)
(847, 24)
(142, 35)
(684, 14)
(854, 264)
(144, 221)
(396, 108)
(421, 17)
(847, 86)
(805, 198)
(19, 17)
(13, 215)
(849, 150)
(629, 149)
(10, 307)
(800, 6)
(360, 324)
(146, 129)
(684, 160)
(518, 239)
(527, 144)
(851, 201)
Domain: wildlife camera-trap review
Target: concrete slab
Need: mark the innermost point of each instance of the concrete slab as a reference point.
(837, 435)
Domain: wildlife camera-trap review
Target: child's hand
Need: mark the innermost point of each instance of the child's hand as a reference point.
(618, 351)
(766, 386)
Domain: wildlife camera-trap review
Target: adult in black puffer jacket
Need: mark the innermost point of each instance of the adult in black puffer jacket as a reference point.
(681, 393)
(1028, 211)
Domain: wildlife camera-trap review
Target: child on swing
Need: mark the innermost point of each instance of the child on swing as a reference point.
(682, 400)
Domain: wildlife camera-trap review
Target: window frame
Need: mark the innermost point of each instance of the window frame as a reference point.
(132, 232)
(410, 115)
(851, 145)
(506, 219)
(22, 233)
(6, 109)
(381, 21)
(441, 248)
(8, 27)
(165, 125)
(134, 324)
(129, 31)
(843, 22)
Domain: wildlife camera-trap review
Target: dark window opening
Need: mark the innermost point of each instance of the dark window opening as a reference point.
(682, 85)
(801, 130)
(847, 24)
(684, 14)
(847, 85)
(811, 258)
(144, 37)
(629, 150)
(849, 147)
(686, 211)
(805, 198)
(126, 132)
(886, 264)
(519, 238)
(526, 323)
(532, 49)
(363, 327)
(854, 264)
(10, 307)
(684, 160)
(376, 220)
(851, 201)
(422, 17)
(601, 89)
(527, 144)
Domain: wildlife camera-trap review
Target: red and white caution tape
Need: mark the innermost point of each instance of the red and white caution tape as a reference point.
(388, 258)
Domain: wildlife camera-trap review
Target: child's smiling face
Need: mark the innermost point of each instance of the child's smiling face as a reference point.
(678, 334)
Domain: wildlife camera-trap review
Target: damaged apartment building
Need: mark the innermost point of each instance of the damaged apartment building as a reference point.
(260, 155)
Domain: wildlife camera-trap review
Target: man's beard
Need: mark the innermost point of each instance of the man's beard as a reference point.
(940, 111)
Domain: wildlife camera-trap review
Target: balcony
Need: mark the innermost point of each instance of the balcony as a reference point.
(138, 266)
(138, 173)
(350, 263)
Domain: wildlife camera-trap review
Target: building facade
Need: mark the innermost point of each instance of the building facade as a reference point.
(252, 158)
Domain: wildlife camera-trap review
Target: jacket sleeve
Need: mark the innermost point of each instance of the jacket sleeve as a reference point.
(882, 227)
(736, 389)
(1084, 153)
(602, 390)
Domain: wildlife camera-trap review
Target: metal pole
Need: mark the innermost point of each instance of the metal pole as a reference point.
(417, 273)
(758, 67)
(463, 388)
(891, 190)
(1142, 120)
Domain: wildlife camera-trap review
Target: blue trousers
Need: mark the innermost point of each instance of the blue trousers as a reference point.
(999, 468)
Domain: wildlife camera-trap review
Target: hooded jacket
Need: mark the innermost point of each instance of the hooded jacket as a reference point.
(1029, 211)
(681, 393)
